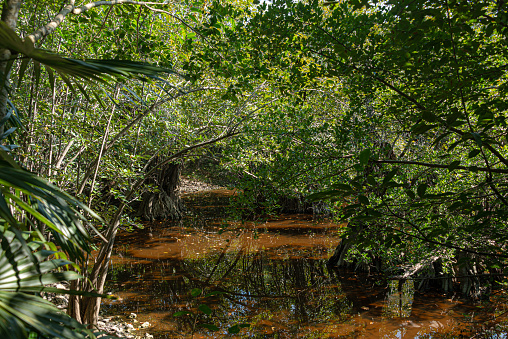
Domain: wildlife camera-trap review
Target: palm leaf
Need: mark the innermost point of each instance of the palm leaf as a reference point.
(55, 209)
(23, 265)
(24, 271)
(89, 70)
(20, 313)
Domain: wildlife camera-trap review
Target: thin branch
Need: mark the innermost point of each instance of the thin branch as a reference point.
(103, 145)
(51, 26)
(64, 153)
(102, 260)
(426, 164)
(499, 22)
(91, 5)
(124, 131)
(70, 8)
(424, 237)
(396, 277)
(186, 25)
(153, 108)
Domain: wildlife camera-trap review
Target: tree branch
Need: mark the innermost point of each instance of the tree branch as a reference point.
(424, 237)
(70, 8)
(10, 14)
(102, 260)
(91, 5)
(124, 131)
(51, 26)
(426, 164)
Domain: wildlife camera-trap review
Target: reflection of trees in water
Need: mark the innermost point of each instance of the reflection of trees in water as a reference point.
(285, 292)
(294, 285)
(399, 300)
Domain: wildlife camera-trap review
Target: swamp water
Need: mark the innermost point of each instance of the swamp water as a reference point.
(273, 276)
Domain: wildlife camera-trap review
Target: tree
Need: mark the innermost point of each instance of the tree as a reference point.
(30, 210)
(68, 125)
(425, 84)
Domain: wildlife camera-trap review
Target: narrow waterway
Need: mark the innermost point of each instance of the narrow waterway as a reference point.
(272, 275)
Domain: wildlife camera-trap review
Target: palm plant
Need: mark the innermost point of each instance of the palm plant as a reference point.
(30, 210)
(36, 217)
(26, 267)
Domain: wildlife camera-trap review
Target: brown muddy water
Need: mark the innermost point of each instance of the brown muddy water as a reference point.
(272, 275)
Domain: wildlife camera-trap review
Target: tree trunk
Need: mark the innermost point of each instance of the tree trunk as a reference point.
(468, 272)
(166, 177)
(164, 202)
(86, 309)
(10, 12)
(337, 259)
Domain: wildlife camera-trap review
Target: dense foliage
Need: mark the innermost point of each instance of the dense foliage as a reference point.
(393, 112)
(420, 128)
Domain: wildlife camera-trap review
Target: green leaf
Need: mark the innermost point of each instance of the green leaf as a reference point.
(363, 199)
(205, 309)
(195, 292)
(67, 82)
(236, 328)
(477, 138)
(428, 116)
(453, 117)
(40, 315)
(28, 47)
(181, 313)
(422, 128)
(356, 184)
(8, 159)
(439, 138)
(455, 144)
(364, 156)
(90, 70)
(371, 180)
(455, 205)
(389, 176)
(410, 194)
(374, 213)
(343, 187)
(473, 153)
(37, 72)
(325, 195)
(210, 327)
(22, 69)
(422, 188)
(51, 75)
(453, 165)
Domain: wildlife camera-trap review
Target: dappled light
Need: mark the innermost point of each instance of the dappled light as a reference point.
(254, 169)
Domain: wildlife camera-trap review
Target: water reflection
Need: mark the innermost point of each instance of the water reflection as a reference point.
(272, 276)
(273, 290)
(399, 299)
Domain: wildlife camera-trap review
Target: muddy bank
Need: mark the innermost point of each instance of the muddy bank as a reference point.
(122, 326)
(189, 185)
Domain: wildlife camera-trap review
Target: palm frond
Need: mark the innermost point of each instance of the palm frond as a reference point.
(21, 313)
(89, 70)
(53, 208)
(24, 268)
